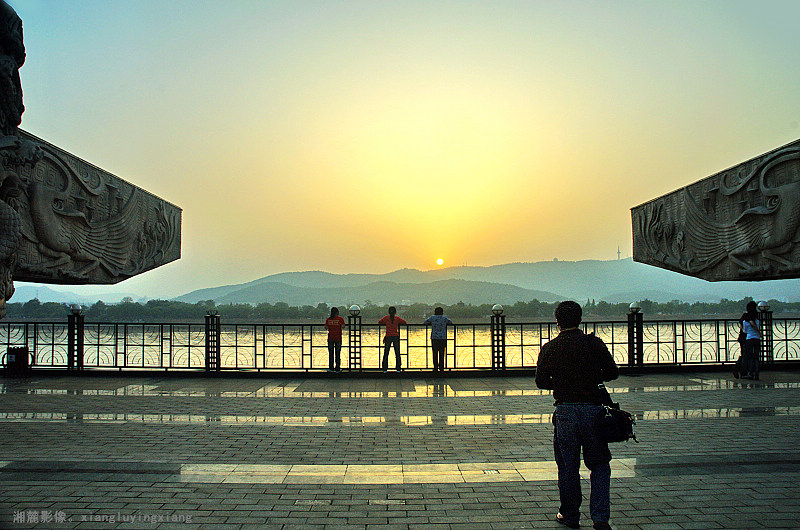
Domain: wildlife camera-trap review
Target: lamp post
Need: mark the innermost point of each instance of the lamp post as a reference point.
(212, 341)
(765, 318)
(635, 339)
(354, 337)
(75, 338)
(498, 335)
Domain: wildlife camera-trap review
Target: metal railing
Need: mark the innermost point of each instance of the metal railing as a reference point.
(303, 347)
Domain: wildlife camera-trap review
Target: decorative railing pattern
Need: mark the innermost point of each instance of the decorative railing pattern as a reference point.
(293, 347)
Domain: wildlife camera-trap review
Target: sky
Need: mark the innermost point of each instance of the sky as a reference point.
(369, 136)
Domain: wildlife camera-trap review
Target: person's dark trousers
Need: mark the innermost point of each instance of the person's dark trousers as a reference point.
(439, 347)
(575, 428)
(750, 354)
(739, 367)
(391, 341)
(334, 354)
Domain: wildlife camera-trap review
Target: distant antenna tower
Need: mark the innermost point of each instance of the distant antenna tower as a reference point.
(619, 253)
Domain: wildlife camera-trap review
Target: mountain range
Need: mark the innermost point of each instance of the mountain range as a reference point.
(613, 281)
(24, 292)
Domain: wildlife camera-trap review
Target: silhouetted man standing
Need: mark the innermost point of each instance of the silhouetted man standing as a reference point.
(572, 365)
(438, 323)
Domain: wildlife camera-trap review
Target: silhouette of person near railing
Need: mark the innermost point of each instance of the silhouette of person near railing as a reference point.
(392, 338)
(438, 323)
(334, 325)
(750, 327)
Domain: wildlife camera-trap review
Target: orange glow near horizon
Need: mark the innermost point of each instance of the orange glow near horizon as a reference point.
(366, 137)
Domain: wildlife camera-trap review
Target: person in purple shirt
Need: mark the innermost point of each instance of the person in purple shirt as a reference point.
(438, 323)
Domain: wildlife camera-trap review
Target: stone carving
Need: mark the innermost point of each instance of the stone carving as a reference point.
(63, 220)
(80, 224)
(739, 224)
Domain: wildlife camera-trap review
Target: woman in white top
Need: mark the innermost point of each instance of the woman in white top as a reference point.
(752, 345)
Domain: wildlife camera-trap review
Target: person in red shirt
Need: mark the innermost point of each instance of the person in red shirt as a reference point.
(392, 337)
(334, 325)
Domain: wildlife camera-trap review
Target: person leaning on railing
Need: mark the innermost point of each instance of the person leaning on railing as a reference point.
(392, 338)
(334, 325)
(438, 323)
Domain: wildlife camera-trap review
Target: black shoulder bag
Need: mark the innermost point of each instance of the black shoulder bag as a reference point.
(616, 425)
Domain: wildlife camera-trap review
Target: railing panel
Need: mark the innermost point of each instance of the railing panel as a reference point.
(187, 343)
(614, 334)
(660, 342)
(99, 345)
(238, 346)
(732, 347)
(283, 346)
(304, 346)
(530, 341)
(699, 342)
(51, 344)
(786, 339)
(513, 356)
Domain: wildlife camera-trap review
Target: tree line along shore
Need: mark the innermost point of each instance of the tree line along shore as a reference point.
(535, 310)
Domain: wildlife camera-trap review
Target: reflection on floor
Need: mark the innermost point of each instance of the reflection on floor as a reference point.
(498, 419)
(462, 472)
(354, 389)
(386, 474)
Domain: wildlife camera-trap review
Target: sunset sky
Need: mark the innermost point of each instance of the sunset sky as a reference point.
(367, 136)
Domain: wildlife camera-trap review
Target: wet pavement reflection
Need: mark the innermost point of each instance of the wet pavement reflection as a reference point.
(349, 389)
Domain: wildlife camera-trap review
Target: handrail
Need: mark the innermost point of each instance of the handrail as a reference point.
(292, 347)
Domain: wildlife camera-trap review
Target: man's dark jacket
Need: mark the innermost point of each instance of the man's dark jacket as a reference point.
(572, 365)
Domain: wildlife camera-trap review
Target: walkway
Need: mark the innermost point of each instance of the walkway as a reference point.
(416, 452)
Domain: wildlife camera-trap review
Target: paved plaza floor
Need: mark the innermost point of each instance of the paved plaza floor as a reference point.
(384, 452)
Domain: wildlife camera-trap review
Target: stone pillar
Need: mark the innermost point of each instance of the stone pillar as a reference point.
(498, 334)
(765, 319)
(75, 339)
(354, 338)
(635, 336)
(212, 342)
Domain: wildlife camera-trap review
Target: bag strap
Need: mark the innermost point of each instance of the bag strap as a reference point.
(605, 396)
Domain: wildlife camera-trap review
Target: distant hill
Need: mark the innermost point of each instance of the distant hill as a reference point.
(547, 281)
(378, 292)
(24, 292)
(626, 280)
(612, 281)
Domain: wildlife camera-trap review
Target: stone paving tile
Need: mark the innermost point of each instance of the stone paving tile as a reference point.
(478, 449)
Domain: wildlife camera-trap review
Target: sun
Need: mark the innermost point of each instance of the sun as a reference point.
(439, 261)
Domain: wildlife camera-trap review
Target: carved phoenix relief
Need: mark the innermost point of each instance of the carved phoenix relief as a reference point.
(741, 224)
(83, 225)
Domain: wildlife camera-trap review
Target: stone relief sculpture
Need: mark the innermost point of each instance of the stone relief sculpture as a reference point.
(80, 224)
(740, 224)
(62, 219)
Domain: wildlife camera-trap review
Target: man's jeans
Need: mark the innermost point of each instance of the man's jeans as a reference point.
(439, 347)
(575, 427)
